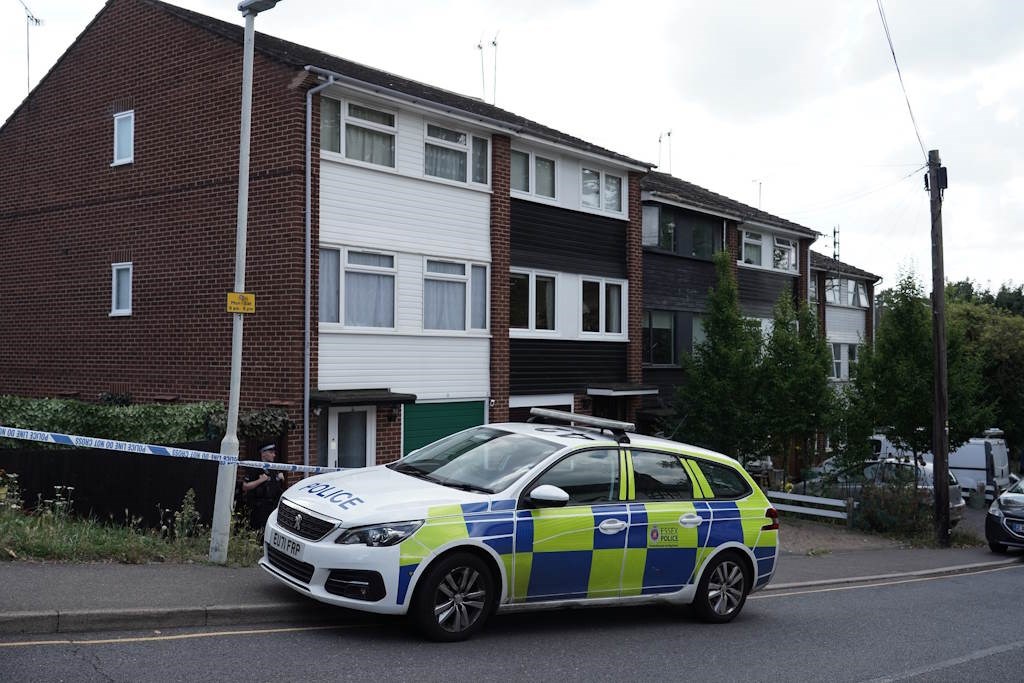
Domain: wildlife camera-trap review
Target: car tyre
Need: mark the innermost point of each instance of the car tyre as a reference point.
(997, 547)
(455, 597)
(723, 589)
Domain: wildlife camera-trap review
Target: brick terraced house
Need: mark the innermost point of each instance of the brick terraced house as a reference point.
(465, 263)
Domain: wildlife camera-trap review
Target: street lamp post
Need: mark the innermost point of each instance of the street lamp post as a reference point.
(226, 473)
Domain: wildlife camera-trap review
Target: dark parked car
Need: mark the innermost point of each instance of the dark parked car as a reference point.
(850, 482)
(1004, 524)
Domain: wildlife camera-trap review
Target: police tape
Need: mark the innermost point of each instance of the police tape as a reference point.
(312, 469)
(150, 449)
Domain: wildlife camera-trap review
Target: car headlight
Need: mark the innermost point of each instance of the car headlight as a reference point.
(994, 509)
(379, 535)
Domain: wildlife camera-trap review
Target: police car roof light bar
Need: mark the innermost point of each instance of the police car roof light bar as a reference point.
(617, 428)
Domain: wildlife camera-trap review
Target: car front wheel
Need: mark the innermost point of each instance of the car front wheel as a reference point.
(454, 598)
(723, 589)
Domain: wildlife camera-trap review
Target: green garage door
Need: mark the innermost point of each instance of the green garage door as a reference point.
(427, 422)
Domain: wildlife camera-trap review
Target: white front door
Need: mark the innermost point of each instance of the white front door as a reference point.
(352, 437)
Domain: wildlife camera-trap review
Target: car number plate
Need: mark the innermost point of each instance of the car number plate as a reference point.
(285, 544)
(1017, 527)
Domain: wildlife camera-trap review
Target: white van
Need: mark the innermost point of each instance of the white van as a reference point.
(981, 460)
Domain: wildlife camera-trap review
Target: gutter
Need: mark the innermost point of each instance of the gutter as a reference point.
(309, 265)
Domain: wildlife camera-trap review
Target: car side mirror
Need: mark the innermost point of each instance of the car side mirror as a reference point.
(548, 496)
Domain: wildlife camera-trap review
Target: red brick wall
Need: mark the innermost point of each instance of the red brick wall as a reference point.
(801, 285)
(732, 245)
(500, 264)
(635, 275)
(66, 215)
(389, 433)
(869, 315)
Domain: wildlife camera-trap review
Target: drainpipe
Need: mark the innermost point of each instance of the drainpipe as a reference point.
(309, 262)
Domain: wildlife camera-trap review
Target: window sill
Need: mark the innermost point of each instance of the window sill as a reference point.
(621, 215)
(120, 314)
(123, 162)
(662, 366)
(335, 328)
(768, 269)
(531, 197)
(668, 252)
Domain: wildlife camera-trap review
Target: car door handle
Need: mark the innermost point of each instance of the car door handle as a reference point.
(690, 520)
(611, 526)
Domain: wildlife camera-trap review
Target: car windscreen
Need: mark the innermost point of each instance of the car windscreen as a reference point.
(481, 459)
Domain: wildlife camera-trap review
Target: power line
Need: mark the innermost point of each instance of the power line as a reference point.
(846, 199)
(888, 37)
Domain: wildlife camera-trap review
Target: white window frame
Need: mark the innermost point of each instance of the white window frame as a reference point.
(790, 245)
(119, 120)
(468, 149)
(344, 267)
(752, 238)
(531, 330)
(623, 308)
(467, 279)
(347, 119)
(115, 268)
(531, 167)
(602, 175)
(371, 433)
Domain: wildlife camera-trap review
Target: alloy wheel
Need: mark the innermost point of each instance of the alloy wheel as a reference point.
(460, 599)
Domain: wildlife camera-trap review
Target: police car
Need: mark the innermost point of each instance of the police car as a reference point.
(569, 510)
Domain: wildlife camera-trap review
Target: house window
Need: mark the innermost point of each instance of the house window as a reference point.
(368, 280)
(659, 338)
(832, 290)
(121, 289)
(369, 134)
(812, 286)
(856, 294)
(533, 173)
(784, 254)
(837, 361)
(602, 306)
(683, 232)
(451, 292)
(752, 248)
(124, 138)
(844, 358)
(531, 301)
(601, 190)
(446, 154)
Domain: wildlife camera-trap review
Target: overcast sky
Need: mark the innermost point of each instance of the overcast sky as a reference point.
(793, 104)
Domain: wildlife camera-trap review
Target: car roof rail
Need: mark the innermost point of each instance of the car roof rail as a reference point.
(618, 429)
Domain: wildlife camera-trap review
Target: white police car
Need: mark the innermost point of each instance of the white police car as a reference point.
(510, 516)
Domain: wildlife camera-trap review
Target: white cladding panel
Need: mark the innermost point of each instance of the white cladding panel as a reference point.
(845, 325)
(384, 210)
(430, 367)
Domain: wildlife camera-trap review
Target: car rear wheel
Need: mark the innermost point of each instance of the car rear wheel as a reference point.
(454, 598)
(723, 589)
(997, 547)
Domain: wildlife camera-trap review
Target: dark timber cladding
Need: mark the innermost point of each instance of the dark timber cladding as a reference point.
(676, 283)
(549, 365)
(550, 238)
(760, 291)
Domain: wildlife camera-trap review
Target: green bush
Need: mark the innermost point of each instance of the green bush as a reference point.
(893, 509)
(145, 423)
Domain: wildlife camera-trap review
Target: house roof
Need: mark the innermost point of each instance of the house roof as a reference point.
(822, 262)
(673, 189)
(300, 56)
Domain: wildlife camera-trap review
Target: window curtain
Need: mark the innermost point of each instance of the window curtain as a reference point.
(479, 290)
(330, 259)
(369, 300)
(442, 162)
(545, 179)
(374, 147)
(545, 303)
(613, 309)
(612, 193)
(520, 171)
(480, 157)
(330, 124)
(444, 305)
(591, 189)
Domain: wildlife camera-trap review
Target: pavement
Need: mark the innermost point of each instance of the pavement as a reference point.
(51, 597)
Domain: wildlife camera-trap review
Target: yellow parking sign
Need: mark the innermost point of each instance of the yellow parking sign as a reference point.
(241, 302)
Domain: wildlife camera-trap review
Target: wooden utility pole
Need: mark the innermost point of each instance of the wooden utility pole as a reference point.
(936, 183)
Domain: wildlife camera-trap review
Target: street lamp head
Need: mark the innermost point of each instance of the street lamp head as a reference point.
(247, 7)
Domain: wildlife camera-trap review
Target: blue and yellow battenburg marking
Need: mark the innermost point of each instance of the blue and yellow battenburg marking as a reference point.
(561, 553)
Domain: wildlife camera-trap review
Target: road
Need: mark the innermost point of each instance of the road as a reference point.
(952, 628)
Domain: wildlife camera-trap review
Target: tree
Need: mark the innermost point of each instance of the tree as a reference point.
(893, 385)
(719, 406)
(798, 398)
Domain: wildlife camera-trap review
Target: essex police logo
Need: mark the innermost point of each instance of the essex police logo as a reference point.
(663, 536)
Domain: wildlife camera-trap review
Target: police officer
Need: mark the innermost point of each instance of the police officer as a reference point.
(262, 488)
